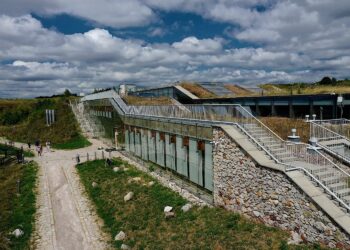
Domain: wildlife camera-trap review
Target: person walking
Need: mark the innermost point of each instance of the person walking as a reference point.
(40, 150)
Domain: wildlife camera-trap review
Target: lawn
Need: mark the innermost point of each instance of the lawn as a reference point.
(24, 121)
(74, 143)
(143, 220)
(17, 210)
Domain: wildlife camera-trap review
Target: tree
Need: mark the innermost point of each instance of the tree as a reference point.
(67, 93)
(326, 81)
(334, 81)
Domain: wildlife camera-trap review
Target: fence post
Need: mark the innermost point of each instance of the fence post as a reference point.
(95, 156)
(87, 157)
(103, 155)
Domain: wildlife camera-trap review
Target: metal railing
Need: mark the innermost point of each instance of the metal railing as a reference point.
(332, 136)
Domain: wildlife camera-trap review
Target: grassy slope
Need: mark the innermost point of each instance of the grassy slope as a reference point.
(239, 91)
(29, 123)
(143, 221)
(283, 126)
(136, 100)
(197, 90)
(17, 211)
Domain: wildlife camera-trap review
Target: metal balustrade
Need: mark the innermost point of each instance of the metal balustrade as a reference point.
(294, 156)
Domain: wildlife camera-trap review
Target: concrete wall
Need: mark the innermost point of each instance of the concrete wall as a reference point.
(243, 186)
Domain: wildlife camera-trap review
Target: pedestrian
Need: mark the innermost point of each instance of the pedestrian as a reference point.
(41, 150)
(37, 143)
(29, 145)
(37, 148)
(78, 158)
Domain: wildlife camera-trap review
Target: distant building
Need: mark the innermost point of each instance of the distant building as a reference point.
(124, 89)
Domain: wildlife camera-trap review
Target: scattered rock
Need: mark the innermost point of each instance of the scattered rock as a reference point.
(295, 238)
(128, 196)
(94, 184)
(17, 233)
(186, 207)
(256, 213)
(136, 179)
(125, 169)
(124, 246)
(116, 169)
(320, 226)
(169, 214)
(168, 209)
(151, 183)
(120, 236)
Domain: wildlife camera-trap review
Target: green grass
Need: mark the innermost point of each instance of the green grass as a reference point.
(17, 211)
(24, 121)
(77, 142)
(143, 221)
(4, 147)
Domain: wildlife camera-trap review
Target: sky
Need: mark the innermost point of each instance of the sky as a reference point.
(48, 46)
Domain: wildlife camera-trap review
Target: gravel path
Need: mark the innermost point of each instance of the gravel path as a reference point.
(65, 217)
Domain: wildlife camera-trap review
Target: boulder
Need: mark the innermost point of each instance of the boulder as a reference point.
(128, 196)
(136, 179)
(168, 209)
(120, 236)
(116, 169)
(151, 183)
(94, 184)
(295, 238)
(256, 213)
(124, 246)
(186, 207)
(169, 214)
(17, 233)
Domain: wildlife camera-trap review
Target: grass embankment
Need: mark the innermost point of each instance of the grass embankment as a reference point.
(197, 90)
(12, 150)
(143, 220)
(25, 121)
(283, 126)
(239, 91)
(137, 100)
(17, 210)
(304, 89)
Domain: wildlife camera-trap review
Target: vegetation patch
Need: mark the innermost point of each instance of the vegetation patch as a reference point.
(197, 90)
(239, 91)
(17, 206)
(13, 150)
(143, 221)
(283, 126)
(25, 121)
(138, 100)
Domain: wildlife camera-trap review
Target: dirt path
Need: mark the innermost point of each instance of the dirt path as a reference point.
(65, 218)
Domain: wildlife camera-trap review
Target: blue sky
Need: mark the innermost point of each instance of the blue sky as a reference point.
(47, 46)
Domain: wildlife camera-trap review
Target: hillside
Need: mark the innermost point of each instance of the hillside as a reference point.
(24, 121)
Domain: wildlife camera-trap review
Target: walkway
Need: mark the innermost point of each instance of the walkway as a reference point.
(65, 218)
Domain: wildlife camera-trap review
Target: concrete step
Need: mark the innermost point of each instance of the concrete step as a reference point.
(331, 180)
(338, 186)
(288, 159)
(343, 193)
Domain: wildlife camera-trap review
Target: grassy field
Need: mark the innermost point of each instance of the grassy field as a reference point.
(304, 89)
(17, 210)
(136, 100)
(143, 220)
(283, 126)
(197, 90)
(24, 121)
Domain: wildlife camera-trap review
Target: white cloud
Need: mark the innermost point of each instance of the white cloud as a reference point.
(193, 45)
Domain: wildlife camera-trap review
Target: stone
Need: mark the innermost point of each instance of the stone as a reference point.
(116, 169)
(169, 214)
(17, 233)
(136, 179)
(320, 226)
(124, 246)
(120, 236)
(295, 238)
(128, 196)
(151, 183)
(186, 208)
(167, 209)
(94, 184)
(256, 213)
